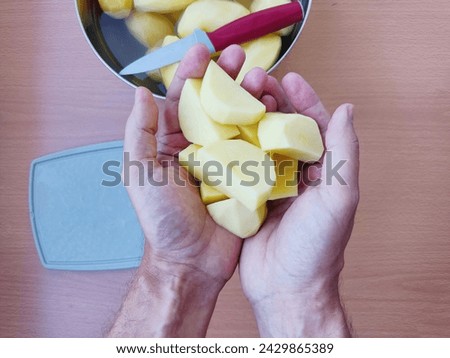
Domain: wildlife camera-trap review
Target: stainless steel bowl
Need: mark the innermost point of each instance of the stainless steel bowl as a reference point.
(116, 47)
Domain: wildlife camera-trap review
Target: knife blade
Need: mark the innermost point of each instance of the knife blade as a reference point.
(242, 30)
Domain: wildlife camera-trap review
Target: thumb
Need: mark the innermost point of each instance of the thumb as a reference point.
(340, 168)
(142, 125)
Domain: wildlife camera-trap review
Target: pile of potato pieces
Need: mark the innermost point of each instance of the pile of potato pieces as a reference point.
(156, 23)
(242, 155)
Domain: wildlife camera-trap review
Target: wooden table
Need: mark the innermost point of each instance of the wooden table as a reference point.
(390, 58)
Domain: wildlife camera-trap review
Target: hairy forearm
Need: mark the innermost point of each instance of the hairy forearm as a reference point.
(166, 303)
(312, 314)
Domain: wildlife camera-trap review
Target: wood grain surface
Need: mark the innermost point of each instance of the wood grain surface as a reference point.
(389, 58)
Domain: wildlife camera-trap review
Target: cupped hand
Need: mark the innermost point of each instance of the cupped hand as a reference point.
(291, 267)
(179, 231)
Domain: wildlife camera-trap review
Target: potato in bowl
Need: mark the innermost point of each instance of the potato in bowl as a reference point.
(104, 24)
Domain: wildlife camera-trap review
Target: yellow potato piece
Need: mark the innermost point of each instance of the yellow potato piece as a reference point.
(262, 52)
(161, 6)
(118, 9)
(149, 28)
(236, 218)
(291, 134)
(258, 5)
(226, 101)
(245, 3)
(249, 134)
(188, 159)
(168, 72)
(210, 195)
(174, 16)
(239, 170)
(209, 16)
(196, 125)
(286, 185)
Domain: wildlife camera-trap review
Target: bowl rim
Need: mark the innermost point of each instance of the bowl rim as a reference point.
(270, 70)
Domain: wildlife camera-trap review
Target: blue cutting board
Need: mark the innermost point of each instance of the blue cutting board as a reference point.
(78, 222)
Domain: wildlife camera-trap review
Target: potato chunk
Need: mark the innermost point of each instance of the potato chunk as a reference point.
(286, 185)
(210, 195)
(195, 123)
(118, 9)
(262, 52)
(249, 134)
(291, 134)
(149, 28)
(188, 158)
(236, 218)
(161, 6)
(238, 169)
(226, 101)
(209, 16)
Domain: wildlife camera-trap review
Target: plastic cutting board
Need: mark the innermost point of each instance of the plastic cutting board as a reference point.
(78, 223)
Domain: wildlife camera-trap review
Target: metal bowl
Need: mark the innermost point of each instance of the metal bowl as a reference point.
(116, 47)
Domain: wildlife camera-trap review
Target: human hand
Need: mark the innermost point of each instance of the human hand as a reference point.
(290, 269)
(188, 257)
(180, 234)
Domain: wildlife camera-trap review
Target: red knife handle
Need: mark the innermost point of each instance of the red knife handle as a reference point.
(255, 25)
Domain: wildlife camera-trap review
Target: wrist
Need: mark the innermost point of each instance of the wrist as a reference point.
(183, 299)
(167, 300)
(313, 312)
(181, 276)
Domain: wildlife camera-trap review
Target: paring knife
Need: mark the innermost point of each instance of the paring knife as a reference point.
(245, 29)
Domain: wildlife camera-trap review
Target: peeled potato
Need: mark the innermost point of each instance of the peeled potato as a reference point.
(258, 5)
(245, 3)
(149, 28)
(226, 101)
(291, 134)
(239, 170)
(286, 185)
(118, 9)
(161, 6)
(242, 155)
(195, 123)
(262, 52)
(236, 218)
(210, 195)
(188, 158)
(209, 15)
(249, 134)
